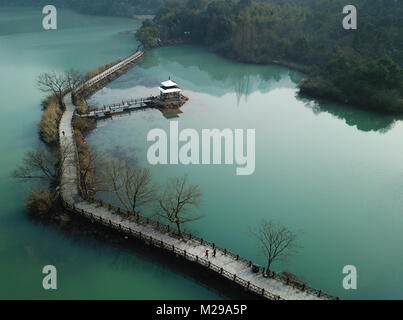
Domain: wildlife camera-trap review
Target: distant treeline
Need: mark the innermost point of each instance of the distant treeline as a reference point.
(120, 8)
(361, 67)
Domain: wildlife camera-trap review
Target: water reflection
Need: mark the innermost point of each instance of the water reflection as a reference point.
(204, 72)
(363, 120)
(200, 71)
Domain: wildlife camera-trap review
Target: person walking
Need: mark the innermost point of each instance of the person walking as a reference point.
(207, 254)
(63, 133)
(214, 252)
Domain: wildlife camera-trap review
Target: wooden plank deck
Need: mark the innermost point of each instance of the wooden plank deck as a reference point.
(125, 106)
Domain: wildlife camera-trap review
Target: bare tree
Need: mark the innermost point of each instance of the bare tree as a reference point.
(43, 165)
(55, 83)
(74, 79)
(178, 200)
(276, 241)
(132, 186)
(92, 178)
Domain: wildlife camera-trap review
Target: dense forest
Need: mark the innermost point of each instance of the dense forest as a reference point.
(361, 67)
(119, 8)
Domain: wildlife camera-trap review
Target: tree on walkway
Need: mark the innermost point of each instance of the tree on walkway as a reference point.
(59, 83)
(277, 241)
(55, 83)
(74, 79)
(40, 164)
(177, 202)
(91, 176)
(132, 186)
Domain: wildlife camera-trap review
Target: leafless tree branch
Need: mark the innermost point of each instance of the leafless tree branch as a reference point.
(276, 241)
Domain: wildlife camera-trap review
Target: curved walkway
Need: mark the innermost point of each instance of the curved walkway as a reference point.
(228, 265)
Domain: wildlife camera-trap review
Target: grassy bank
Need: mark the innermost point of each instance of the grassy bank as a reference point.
(49, 123)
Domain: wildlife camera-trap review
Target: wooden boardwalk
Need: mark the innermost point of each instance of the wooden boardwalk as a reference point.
(225, 263)
(125, 106)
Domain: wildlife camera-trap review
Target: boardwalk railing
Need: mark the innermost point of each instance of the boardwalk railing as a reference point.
(121, 107)
(163, 229)
(166, 246)
(134, 58)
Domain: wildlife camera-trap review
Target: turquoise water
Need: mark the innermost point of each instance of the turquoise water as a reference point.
(330, 171)
(86, 269)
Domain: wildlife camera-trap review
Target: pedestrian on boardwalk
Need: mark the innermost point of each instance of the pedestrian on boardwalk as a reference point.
(214, 252)
(63, 133)
(207, 254)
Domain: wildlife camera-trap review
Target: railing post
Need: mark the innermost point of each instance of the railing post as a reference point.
(250, 263)
(225, 252)
(248, 285)
(262, 292)
(320, 293)
(237, 257)
(221, 270)
(209, 264)
(201, 241)
(234, 277)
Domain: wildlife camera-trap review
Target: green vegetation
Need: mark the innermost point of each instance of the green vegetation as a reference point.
(361, 67)
(147, 35)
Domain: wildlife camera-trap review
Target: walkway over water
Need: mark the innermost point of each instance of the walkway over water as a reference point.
(225, 263)
(125, 106)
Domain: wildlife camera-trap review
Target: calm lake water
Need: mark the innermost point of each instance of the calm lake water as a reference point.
(331, 171)
(87, 269)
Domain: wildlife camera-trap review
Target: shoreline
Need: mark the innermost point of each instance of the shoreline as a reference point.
(305, 70)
